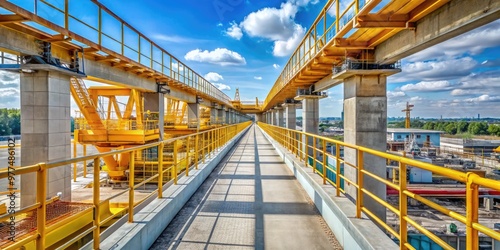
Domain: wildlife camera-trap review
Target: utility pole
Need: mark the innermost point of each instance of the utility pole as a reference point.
(407, 110)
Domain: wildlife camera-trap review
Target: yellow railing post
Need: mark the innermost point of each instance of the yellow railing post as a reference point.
(472, 205)
(85, 161)
(196, 153)
(96, 187)
(314, 154)
(187, 155)
(203, 147)
(41, 193)
(74, 163)
(324, 162)
(337, 169)
(175, 161)
(131, 187)
(403, 206)
(160, 169)
(359, 198)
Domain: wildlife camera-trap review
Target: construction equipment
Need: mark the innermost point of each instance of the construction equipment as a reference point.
(408, 110)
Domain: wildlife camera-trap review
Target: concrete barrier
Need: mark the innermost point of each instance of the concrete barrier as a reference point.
(338, 212)
(150, 221)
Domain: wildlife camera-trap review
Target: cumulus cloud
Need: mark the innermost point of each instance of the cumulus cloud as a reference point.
(484, 98)
(234, 31)
(436, 70)
(257, 77)
(471, 43)
(213, 77)
(222, 86)
(393, 94)
(277, 25)
(427, 86)
(220, 56)
(459, 92)
(276, 66)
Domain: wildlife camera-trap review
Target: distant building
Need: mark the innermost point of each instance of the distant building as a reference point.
(421, 136)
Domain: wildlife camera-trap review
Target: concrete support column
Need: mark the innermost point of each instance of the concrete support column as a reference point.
(273, 116)
(290, 116)
(365, 124)
(155, 103)
(193, 115)
(220, 116)
(213, 116)
(226, 119)
(279, 117)
(310, 120)
(45, 131)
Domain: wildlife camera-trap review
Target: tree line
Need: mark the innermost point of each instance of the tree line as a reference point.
(454, 127)
(10, 122)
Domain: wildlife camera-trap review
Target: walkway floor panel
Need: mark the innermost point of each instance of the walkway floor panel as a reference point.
(250, 201)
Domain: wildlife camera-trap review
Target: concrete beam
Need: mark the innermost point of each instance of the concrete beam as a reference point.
(452, 19)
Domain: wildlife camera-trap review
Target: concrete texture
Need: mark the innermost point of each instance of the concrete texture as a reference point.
(155, 102)
(250, 201)
(193, 111)
(310, 120)
(290, 116)
(365, 124)
(338, 212)
(279, 116)
(45, 129)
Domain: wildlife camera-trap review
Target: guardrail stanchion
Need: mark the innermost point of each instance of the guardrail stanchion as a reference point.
(337, 169)
(324, 161)
(175, 161)
(160, 169)
(196, 152)
(41, 193)
(187, 155)
(96, 187)
(403, 205)
(314, 154)
(359, 198)
(131, 187)
(472, 206)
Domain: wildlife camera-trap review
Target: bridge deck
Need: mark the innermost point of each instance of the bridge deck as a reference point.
(251, 200)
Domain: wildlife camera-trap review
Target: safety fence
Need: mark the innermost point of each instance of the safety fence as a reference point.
(154, 165)
(312, 149)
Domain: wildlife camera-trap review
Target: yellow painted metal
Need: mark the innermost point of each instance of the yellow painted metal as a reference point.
(324, 162)
(74, 164)
(160, 169)
(187, 155)
(84, 162)
(41, 212)
(175, 167)
(472, 181)
(96, 200)
(131, 179)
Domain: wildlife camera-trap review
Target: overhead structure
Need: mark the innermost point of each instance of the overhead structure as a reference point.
(407, 110)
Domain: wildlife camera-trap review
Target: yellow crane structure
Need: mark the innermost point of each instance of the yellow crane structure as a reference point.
(408, 110)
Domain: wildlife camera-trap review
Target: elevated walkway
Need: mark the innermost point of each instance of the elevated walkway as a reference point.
(251, 200)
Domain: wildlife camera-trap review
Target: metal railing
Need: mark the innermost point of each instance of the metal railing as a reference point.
(316, 155)
(356, 64)
(90, 23)
(188, 152)
(322, 31)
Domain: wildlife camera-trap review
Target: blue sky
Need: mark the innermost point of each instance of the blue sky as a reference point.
(245, 43)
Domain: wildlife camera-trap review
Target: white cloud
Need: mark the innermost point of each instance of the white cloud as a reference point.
(392, 94)
(222, 86)
(416, 98)
(459, 92)
(436, 70)
(175, 39)
(276, 66)
(257, 77)
(484, 98)
(277, 25)
(473, 43)
(220, 56)
(234, 31)
(213, 77)
(7, 92)
(219, 25)
(427, 86)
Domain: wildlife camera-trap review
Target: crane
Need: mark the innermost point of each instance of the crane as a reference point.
(408, 110)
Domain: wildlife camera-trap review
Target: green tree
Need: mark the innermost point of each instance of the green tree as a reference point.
(478, 128)
(494, 129)
(462, 126)
(451, 128)
(429, 125)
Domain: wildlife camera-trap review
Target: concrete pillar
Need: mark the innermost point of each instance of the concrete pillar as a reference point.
(155, 103)
(226, 119)
(280, 121)
(45, 131)
(290, 116)
(273, 116)
(193, 115)
(310, 120)
(213, 116)
(365, 124)
(220, 116)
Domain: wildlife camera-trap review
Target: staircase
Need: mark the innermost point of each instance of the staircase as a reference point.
(85, 103)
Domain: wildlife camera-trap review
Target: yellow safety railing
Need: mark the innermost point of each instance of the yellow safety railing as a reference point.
(315, 156)
(188, 152)
(320, 34)
(99, 27)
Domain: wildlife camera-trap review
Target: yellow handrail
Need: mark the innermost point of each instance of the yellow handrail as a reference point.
(212, 141)
(472, 183)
